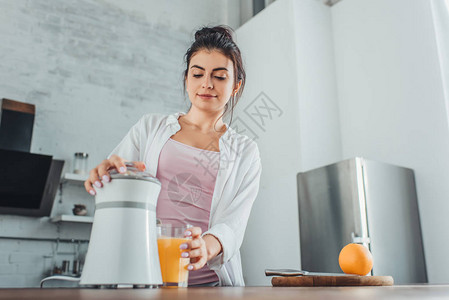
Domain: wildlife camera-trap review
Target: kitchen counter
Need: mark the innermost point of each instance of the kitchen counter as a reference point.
(253, 293)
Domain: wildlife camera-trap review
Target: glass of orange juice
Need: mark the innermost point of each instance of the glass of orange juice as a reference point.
(173, 266)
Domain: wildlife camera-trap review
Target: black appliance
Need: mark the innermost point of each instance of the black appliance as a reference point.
(16, 125)
(28, 183)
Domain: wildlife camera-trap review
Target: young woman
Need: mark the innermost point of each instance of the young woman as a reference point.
(209, 173)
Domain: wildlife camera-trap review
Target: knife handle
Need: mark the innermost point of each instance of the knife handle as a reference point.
(284, 272)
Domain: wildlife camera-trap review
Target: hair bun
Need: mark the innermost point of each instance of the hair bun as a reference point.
(224, 31)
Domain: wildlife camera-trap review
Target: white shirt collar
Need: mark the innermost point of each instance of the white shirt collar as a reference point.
(173, 120)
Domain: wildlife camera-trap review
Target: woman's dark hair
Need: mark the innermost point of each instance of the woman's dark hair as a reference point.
(219, 38)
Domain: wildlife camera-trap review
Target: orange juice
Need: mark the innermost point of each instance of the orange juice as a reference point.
(173, 266)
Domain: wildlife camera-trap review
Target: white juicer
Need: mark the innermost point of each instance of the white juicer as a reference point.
(123, 243)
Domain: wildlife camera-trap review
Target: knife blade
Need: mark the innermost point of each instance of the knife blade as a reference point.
(292, 272)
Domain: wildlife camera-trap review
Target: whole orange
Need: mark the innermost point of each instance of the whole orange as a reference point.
(355, 259)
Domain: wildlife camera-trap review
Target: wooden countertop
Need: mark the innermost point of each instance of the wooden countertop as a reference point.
(253, 293)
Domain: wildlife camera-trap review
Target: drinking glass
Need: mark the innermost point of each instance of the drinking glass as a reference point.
(173, 266)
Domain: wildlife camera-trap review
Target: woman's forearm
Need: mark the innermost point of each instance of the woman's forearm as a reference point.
(213, 246)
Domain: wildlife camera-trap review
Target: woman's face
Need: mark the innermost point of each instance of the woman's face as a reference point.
(210, 81)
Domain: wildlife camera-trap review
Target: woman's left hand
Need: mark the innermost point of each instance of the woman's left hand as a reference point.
(197, 249)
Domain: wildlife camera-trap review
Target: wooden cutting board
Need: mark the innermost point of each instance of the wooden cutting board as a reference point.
(350, 280)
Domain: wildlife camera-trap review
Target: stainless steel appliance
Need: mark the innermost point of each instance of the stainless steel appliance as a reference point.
(123, 244)
(361, 201)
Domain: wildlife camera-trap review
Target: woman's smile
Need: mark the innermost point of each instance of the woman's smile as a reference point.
(206, 96)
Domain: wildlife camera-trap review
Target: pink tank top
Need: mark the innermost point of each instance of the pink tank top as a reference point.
(187, 175)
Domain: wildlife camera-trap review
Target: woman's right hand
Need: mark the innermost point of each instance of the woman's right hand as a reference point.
(100, 174)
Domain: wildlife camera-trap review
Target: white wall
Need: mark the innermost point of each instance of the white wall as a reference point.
(440, 14)
(246, 10)
(392, 106)
(287, 49)
(319, 122)
(181, 15)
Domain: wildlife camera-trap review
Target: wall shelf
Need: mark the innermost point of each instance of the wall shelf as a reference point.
(72, 218)
(72, 177)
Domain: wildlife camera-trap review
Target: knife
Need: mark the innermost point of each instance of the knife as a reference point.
(291, 272)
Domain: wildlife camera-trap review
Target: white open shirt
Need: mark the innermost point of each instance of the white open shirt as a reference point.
(236, 186)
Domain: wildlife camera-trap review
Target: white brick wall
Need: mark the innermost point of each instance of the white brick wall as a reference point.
(92, 68)
(25, 262)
